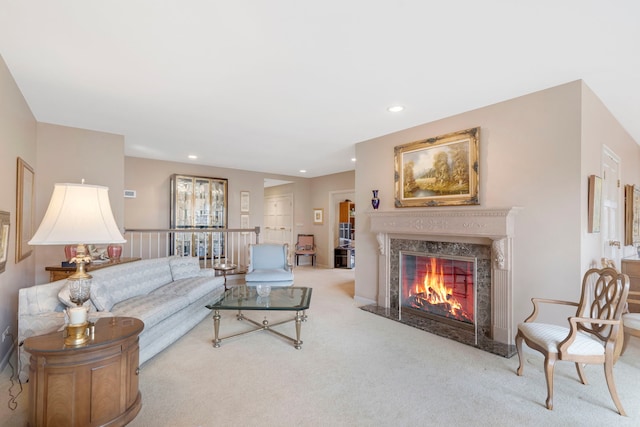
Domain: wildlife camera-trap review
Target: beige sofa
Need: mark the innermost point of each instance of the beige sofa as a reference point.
(168, 294)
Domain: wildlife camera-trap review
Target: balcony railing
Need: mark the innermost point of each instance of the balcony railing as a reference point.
(211, 245)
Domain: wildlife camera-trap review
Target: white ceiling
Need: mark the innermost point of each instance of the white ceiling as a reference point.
(282, 85)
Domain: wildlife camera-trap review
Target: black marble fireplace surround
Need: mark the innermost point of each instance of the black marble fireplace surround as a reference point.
(482, 253)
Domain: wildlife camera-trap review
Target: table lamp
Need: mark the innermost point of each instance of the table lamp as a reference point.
(78, 214)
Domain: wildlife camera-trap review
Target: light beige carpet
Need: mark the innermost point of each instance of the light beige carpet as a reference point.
(359, 369)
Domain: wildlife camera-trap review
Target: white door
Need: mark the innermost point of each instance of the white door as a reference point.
(278, 219)
(611, 208)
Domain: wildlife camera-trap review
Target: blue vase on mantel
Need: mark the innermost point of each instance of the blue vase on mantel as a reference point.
(375, 201)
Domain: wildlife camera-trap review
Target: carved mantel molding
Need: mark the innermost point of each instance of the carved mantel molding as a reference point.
(494, 226)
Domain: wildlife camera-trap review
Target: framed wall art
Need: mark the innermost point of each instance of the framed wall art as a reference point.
(318, 216)
(244, 222)
(244, 201)
(595, 203)
(4, 238)
(631, 215)
(24, 209)
(439, 171)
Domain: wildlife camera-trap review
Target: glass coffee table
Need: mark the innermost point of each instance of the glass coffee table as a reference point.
(243, 298)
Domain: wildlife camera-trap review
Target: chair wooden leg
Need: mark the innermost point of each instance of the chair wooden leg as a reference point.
(583, 377)
(549, 364)
(608, 373)
(520, 358)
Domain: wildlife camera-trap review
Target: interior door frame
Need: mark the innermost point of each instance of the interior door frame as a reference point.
(335, 197)
(612, 253)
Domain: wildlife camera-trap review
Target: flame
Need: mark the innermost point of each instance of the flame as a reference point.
(434, 291)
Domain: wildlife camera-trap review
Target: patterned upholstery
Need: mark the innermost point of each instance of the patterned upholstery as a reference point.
(550, 337)
(168, 294)
(184, 267)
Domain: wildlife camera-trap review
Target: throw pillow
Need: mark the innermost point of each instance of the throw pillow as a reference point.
(184, 267)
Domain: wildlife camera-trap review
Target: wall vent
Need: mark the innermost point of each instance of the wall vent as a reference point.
(130, 194)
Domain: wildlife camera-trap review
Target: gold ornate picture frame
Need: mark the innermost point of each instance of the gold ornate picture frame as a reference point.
(631, 215)
(439, 171)
(595, 203)
(5, 227)
(25, 197)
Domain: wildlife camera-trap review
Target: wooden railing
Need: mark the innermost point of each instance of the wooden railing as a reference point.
(211, 245)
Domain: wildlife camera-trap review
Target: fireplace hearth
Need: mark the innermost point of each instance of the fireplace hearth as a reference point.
(475, 248)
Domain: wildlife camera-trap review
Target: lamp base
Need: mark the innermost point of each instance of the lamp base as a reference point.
(77, 335)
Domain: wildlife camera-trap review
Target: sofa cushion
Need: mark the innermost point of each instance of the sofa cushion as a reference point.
(184, 267)
(193, 288)
(121, 282)
(152, 308)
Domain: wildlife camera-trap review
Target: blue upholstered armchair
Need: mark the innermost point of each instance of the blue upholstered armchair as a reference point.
(269, 263)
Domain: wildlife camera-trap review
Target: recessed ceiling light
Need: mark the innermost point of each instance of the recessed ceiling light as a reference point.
(395, 108)
(353, 159)
(192, 156)
(303, 171)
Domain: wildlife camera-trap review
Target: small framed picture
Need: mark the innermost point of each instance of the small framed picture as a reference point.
(318, 216)
(244, 222)
(244, 201)
(4, 238)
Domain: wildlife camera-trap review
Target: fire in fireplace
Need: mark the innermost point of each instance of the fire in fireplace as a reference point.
(438, 285)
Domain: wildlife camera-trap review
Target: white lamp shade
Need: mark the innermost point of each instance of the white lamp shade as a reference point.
(77, 214)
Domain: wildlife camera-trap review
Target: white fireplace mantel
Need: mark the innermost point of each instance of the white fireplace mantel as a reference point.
(496, 226)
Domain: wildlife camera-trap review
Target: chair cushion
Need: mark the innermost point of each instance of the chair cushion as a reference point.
(305, 252)
(550, 337)
(631, 320)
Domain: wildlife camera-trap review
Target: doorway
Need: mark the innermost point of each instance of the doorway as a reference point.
(611, 212)
(335, 197)
(278, 219)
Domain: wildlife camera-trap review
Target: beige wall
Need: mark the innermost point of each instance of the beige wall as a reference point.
(326, 192)
(600, 128)
(531, 155)
(150, 209)
(68, 154)
(322, 192)
(150, 180)
(17, 139)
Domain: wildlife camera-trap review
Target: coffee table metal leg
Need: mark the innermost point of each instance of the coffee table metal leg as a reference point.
(216, 328)
(299, 317)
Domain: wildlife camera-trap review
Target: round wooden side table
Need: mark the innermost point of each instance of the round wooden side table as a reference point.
(91, 385)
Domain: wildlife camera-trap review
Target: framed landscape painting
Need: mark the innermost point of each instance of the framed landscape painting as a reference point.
(440, 171)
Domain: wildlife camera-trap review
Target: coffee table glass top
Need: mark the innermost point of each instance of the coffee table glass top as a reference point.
(287, 298)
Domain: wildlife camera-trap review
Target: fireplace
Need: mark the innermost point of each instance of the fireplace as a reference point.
(473, 250)
(440, 287)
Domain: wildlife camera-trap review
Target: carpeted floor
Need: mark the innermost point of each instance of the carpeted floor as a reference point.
(356, 368)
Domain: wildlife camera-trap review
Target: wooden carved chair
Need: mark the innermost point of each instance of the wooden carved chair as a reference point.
(631, 321)
(306, 247)
(591, 334)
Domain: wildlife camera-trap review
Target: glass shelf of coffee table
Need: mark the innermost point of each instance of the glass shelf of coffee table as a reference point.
(241, 298)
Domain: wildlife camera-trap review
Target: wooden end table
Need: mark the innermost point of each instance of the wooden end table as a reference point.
(91, 385)
(57, 272)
